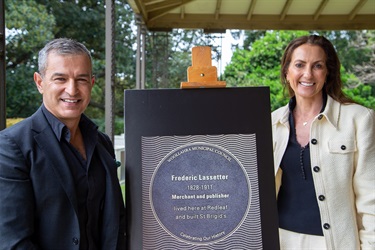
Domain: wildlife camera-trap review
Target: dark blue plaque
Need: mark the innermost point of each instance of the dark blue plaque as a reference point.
(200, 193)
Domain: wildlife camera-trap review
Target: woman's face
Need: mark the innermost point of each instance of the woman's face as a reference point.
(307, 71)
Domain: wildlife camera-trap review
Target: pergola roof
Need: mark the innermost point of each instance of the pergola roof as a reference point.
(218, 15)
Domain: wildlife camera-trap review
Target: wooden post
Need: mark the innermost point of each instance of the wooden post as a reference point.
(2, 67)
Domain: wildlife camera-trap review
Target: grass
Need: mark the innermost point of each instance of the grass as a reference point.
(122, 185)
(12, 121)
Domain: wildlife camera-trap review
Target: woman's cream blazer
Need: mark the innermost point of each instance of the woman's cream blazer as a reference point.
(342, 149)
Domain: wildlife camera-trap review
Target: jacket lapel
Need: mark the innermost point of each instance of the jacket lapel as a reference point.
(48, 143)
(332, 111)
(111, 212)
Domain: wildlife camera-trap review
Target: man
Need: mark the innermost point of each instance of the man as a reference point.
(58, 176)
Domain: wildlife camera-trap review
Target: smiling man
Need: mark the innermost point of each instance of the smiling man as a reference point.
(58, 174)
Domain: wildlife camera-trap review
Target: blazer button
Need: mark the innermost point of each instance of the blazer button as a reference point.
(326, 226)
(343, 147)
(118, 163)
(314, 141)
(75, 241)
(316, 169)
(321, 197)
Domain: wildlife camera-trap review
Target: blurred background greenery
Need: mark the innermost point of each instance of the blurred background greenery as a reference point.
(255, 61)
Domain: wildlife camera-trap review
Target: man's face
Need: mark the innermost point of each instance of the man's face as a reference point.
(66, 86)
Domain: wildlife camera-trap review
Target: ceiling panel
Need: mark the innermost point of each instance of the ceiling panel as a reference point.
(256, 14)
(339, 7)
(268, 7)
(368, 8)
(302, 7)
(202, 6)
(235, 7)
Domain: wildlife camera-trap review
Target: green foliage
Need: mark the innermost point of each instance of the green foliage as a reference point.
(349, 53)
(349, 80)
(169, 55)
(265, 54)
(123, 190)
(119, 124)
(260, 66)
(12, 121)
(251, 37)
(32, 23)
(28, 27)
(362, 94)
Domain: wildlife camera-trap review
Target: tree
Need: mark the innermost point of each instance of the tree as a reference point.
(169, 55)
(348, 51)
(365, 70)
(260, 66)
(356, 50)
(30, 24)
(251, 37)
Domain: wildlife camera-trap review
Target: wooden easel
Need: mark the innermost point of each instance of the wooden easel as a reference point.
(202, 74)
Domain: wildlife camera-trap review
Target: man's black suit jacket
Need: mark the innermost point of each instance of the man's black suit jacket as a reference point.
(38, 203)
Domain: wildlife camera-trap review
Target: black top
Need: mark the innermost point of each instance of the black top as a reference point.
(88, 175)
(297, 203)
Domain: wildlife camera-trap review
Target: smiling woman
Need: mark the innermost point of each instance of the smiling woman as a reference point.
(324, 153)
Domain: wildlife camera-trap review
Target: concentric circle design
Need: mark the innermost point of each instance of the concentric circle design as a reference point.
(200, 193)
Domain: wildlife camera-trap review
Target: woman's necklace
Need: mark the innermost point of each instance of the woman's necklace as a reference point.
(305, 122)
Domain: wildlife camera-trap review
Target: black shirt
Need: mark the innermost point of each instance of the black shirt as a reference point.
(297, 204)
(88, 175)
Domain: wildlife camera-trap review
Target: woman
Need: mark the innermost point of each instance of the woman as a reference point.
(324, 151)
